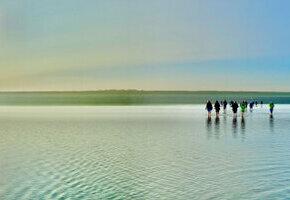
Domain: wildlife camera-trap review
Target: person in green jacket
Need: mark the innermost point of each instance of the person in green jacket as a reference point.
(243, 108)
(271, 105)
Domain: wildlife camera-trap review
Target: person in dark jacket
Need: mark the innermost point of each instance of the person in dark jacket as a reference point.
(225, 103)
(252, 106)
(209, 108)
(217, 108)
(235, 107)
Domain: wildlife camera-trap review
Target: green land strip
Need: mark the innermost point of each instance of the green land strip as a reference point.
(135, 97)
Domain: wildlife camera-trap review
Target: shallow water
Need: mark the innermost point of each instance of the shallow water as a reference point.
(143, 152)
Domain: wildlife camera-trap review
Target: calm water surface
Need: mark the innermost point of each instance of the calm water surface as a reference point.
(143, 152)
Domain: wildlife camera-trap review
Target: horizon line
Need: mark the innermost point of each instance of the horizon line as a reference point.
(138, 90)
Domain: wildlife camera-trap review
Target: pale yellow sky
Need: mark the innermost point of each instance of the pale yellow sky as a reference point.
(157, 45)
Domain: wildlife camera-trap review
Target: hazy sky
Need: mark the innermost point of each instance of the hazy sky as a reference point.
(144, 44)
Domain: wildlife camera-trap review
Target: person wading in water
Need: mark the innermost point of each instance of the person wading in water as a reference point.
(271, 105)
(217, 108)
(209, 108)
(243, 108)
(225, 103)
(235, 108)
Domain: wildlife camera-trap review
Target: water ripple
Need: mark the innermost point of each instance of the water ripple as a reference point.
(143, 153)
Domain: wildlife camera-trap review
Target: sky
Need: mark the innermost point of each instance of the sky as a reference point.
(62, 45)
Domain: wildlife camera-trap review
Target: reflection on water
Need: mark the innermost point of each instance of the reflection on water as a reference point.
(224, 123)
(142, 152)
(243, 126)
(209, 127)
(235, 127)
(217, 127)
(271, 123)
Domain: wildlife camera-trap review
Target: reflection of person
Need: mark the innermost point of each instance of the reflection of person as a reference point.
(235, 126)
(217, 126)
(243, 125)
(217, 108)
(271, 105)
(209, 127)
(208, 108)
(235, 108)
(272, 124)
(217, 121)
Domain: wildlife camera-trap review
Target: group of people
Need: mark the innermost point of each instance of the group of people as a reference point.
(243, 105)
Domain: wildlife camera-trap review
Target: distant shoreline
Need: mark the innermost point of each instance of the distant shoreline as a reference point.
(135, 97)
(133, 90)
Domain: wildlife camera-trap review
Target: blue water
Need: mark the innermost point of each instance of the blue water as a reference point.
(143, 152)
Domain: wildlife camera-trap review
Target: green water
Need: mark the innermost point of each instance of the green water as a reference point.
(143, 152)
(132, 97)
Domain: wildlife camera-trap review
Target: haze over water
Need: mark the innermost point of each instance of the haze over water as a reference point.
(102, 99)
(143, 152)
